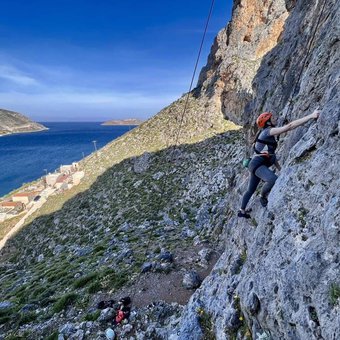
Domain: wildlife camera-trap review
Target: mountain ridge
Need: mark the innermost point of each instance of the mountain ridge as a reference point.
(14, 122)
(130, 121)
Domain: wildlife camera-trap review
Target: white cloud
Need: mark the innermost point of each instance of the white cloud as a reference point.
(63, 92)
(16, 76)
(84, 106)
(85, 98)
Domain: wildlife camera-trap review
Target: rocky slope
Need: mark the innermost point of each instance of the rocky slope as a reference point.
(278, 274)
(13, 122)
(101, 239)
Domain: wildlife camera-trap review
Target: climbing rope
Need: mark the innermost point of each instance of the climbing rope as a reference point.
(194, 73)
(162, 189)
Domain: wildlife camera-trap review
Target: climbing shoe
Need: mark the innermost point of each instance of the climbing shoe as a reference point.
(263, 201)
(245, 214)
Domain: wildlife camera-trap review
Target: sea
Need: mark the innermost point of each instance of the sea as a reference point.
(25, 157)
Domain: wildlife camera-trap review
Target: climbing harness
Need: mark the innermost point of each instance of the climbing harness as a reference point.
(266, 156)
(261, 121)
(264, 153)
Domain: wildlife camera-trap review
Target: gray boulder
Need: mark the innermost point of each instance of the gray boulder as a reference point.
(147, 266)
(6, 305)
(166, 256)
(191, 280)
(67, 330)
(142, 163)
(107, 314)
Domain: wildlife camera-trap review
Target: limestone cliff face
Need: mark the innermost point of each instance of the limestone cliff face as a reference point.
(235, 57)
(278, 275)
(13, 122)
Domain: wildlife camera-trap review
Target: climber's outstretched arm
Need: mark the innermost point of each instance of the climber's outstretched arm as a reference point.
(294, 124)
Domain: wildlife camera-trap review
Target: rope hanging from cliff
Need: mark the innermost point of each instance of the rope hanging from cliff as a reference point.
(194, 73)
(134, 290)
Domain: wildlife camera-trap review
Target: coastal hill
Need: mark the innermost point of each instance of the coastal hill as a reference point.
(156, 214)
(130, 121)
(14, 122)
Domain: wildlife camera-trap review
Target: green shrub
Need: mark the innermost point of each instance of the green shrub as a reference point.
(243, 256)
(27, 318)
(13, 336)
(4, 319)
(83, 281)
(94, 287)
(334, 293)
(206, 324)
(46, 297)
(120, 280)
(64, 301)
(38, 292)
(99, 248)
(92, 316)
(53, 336)
(6, 312)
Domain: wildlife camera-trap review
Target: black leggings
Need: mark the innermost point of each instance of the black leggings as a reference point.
(266, 175)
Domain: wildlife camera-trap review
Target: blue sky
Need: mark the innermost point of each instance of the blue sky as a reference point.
(85, 60)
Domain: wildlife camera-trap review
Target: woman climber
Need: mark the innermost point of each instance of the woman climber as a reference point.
(264, 157)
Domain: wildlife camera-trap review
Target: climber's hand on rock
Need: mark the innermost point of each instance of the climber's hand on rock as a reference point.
(315, 114)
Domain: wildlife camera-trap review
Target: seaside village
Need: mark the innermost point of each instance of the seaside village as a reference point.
(32, 197)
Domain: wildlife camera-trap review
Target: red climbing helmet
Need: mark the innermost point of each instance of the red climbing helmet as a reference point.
(263, 119)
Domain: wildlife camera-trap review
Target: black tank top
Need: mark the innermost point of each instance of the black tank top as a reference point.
(265, 143)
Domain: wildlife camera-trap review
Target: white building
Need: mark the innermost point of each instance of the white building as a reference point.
(25, 197)
(68, 169)
(14, 205)
(77, 176)
(51, 179)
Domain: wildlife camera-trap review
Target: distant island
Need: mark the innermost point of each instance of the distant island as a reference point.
(130, 121)
(14, 122)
